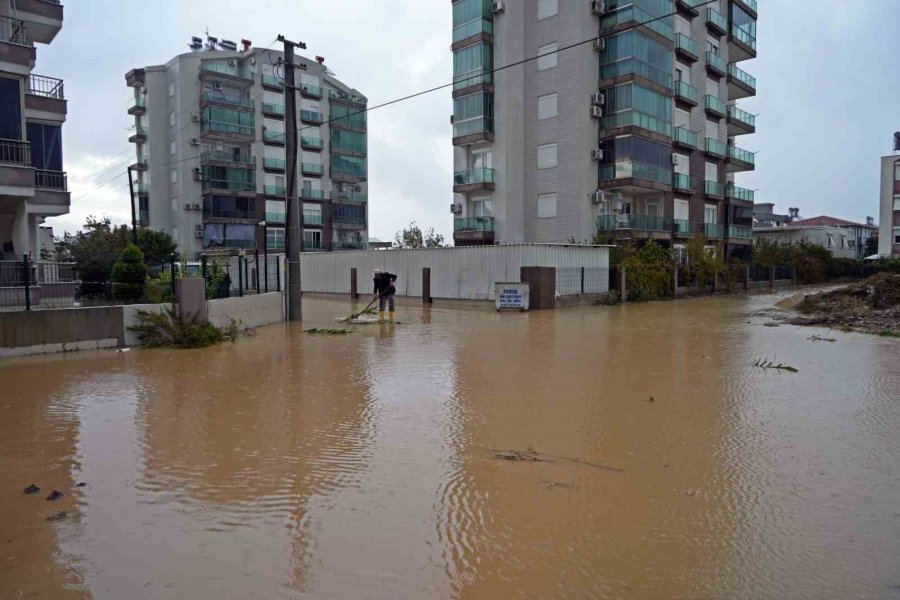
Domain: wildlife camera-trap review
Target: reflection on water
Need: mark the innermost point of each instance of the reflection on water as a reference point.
(364, 466)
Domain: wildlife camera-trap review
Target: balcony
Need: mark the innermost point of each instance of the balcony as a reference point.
(314, 169)
(685, 93)
(311, 143)
(732, 192)
(686, 48)
(312, 244)
(473, 130)
(215, 213)
(749, 6)
(276, 138)
(311, 116)
(683, 183)
(714, 106)
(50, 180)
(716, 22)
(632, 118)
(347, 98)
(272, 110)
(740, 232)
(473, 231)
(276, 218)
(689, 6)
(480, 27)
(15, 152)
(741, 44)
(659, 225)
(274, 164)
(715, 64)
(350, 246)
(715, 148)
(232, 73)
(635, 175)
(44, 18)
(685, 138)
(218, 98)
(141, 188)
(473, 180)
(311, 194)
(312, 218)
(310, 91)
(231, 158)
(137, 134)
(137, 106)
(634, 15)
(740, 160)
(16, 45)
(740, 121)
(233, 244)
(273, 190)
(713, 230)
(141, 164)
(349, 196)
(683, 227)
(740, 83)
(223, 129)
(714, 189)
(270, 81)
(236, 186)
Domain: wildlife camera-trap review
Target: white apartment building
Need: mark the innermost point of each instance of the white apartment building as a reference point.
(889, 203)
(32, 111)
(209, 131)
(633, 134)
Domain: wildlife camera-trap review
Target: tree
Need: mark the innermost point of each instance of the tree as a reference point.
(129, 274)
(872, 244)
(703, 264)
(157, 246)
(413, 237)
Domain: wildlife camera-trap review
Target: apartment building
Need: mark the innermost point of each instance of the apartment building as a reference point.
(32, 111)
(889, 218)
(634, 134)
(209, 132)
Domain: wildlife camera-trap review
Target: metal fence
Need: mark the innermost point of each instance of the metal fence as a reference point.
(761, 273)
(26, 285)
(254, 274)
(571, 281)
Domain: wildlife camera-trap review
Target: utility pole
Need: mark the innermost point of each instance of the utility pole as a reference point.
(294, 231)
(133, 214)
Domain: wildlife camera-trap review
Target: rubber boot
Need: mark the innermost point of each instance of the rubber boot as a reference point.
(380, 316)
(392, 316)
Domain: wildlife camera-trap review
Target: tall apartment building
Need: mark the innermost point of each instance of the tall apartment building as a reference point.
(209, 128)
(889, 217)
(633, 134)
(32, 112)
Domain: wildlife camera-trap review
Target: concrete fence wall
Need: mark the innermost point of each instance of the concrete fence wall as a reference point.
(252, 311)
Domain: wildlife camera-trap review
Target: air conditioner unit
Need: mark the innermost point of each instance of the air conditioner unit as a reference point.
(197, 170)
(499, 6)
(198, 177)
(599, 44)
(598, 99)
(597, 154)
(187, 206)
(618, 205)
(456, 208)
(451, 119)
(598, 7)
(195, 141)
(232, 62)
(217, 85)
(199, 227)
(596, 112)
(674, 159)
(197, 207)
(198, 233)
(599, 197)
(195, 118)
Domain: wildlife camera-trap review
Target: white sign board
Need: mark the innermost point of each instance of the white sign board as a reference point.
(511, 296)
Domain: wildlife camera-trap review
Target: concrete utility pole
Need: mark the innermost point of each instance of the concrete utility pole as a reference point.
(294, 231)
(133, 217)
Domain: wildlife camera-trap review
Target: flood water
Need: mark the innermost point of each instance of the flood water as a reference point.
(290, 465)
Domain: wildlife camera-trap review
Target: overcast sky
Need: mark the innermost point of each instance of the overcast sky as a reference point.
(828, 89)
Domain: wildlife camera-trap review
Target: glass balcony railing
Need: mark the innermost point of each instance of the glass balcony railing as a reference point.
(633, 66)
(735, 153)
(683, 227)
(222, 69)
(276, 164)
(714, 61)
(274, 136)
(742, 76)
(311, 116)
(743, 36)
(350, 246)
(227, 99)
(275, 244)
(686, 92)
(311, 194)
(141, 188)
(683, 183)
(312, 244)
(473, 224)
(219, 213)
(311, 90)
(715, 147)
(636, 119)
(312, 218)
(271, 81)
(273, 109)
(137, 103)
(342, 95)
(716, 19)
(639, 222)
(713, 230)
(714, 104)
(473, 176)
(635, 14)
(276, 217)
(683, 42)
(474, 77)
(741, 116)
(751, 4)
(714, 188)
(467, 30)
(232, 185)
(273, 190)
(226, 127)
(312, 168)
(685, 136)
(236, 244)
(144, 218)
(349, 196)
(739, 193)
(473, 126)
(312, 143)
(637, 170)
(137, 131)
(213, 155)
(740, 231)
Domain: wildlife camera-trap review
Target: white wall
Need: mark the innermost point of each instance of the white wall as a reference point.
(252, 311)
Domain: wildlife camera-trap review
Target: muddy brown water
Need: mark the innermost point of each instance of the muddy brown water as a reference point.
(363, 466)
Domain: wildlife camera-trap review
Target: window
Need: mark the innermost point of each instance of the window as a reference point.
(547, 106)
(171, 89)
(897, 235)
(712, 45)
(897, 171)
(710, 213)
(679, 253)
(546, 206)
(172, 119)
(652, 205)
(712, 172)
(682, 209)
(546, 156)
(683, 166)
(174, 204)
(172, 147)
(681, 118)
(712, 87)
(547, 57)
(483, 207)
(11, 115)
(682, 74)
(275, 238)
(830, 243)
(473, 114)
(842, 242)
(173, 176)
(547, 8)
(896, 202)
(633, 52)
(712, 129)
(472, 65)
(482, 160)
(46, 146)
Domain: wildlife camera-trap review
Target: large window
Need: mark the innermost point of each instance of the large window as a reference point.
(471, 17)
(547, 108)
(46, 146)
(10, 109)
(349, 213)
(229, 207)
(633, 156)
(228, 178)
(637, 53)
(352, 117)
(353, 166)
(216, 118)
(547, 57)
(343, 139)
(743, 21)
(275, 238)
(472, 65)
(473, 114)
(547, 8)
(632, 104)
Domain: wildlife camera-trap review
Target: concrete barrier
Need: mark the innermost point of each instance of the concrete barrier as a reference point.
(62, 330)
(251, 311)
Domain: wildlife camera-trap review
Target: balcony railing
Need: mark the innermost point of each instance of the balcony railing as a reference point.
(50, 180)
(714, 188)
(741, 116)
(714, 105)
(221, 69)
(743, 36)
(312, 143)
(144, 218)
(473, 224)
(141, 188)
(273, 190)
(276, 217)
(311, 194)
(716, 62)
(312, 168)
(348, 219)
(349, 196)
(742, 76)
(637, 170)
(350, 246)
(14, 31)
(685, 136)
(639, 222)
(740, 231)
(686, 44)
(272, 81)
(235, 244)
(48, 87)
(716, 20)
(219, 155)
(137, 131)
(311, 90)
(467, 30)
(312, 218)
(15, 152)
(472, 126)
(276, 164)
(477, 76)
(637, 119)
(273, 109)
(715, 147)
(735, 153)
(739, 193)
(137, 102)
(312, 245)
(229, 184)
(311, 116)
(275, 244)
(277, 137)
(683, 183)
(635, 14)
(224, 127)
(686, 92)
(220, 97)
(341, 95)
(471, 176)
(217, 213)
(683, 227)
(713, 230)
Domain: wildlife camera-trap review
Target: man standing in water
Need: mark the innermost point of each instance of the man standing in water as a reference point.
(384, 289)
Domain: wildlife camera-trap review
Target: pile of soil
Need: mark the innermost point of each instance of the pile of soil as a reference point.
(871, 305)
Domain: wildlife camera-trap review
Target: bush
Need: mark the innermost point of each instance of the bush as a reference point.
(703, 265)
(159, 289)
(129, 274)
(647, 272)
(172, 330)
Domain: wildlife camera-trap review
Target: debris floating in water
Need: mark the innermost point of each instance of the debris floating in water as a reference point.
(32, 489)
(59, 516)
(328, 331)
(818, 338)
(55, 495)
(532, 455)
(764, 363)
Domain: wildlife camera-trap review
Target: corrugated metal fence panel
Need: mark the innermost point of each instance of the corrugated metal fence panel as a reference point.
(457, 273)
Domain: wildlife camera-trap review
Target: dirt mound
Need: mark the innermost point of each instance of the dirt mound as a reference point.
(870, 305)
